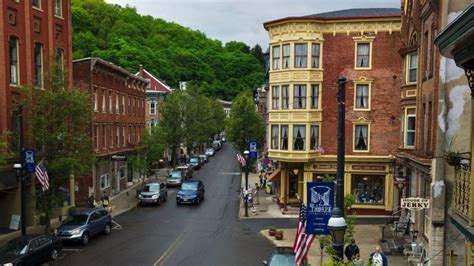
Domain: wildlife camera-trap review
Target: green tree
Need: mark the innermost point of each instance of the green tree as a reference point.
(257, 52)
(59, 122)
(5, 153)
(244, 123)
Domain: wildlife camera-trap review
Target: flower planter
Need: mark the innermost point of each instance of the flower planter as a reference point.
(271, 231)
(279, 235)
(452, 160)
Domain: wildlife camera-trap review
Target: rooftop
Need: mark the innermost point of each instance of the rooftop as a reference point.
(358, 12)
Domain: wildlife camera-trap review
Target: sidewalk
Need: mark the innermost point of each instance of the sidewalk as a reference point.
(120, 203)
(366, 236)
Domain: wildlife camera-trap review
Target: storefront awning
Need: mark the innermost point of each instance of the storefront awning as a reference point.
(274, 176)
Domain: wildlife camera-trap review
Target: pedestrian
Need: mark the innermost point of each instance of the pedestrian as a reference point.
(260, 176)
(351, 250)
(105, 200)
(377, 258)
(91, 201)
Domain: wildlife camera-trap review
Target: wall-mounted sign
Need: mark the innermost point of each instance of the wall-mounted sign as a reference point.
(369, 167)
(324, 166)
(119, 157)
(400, 181)
(415, 204)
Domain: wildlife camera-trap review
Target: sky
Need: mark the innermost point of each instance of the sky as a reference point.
(240, 20)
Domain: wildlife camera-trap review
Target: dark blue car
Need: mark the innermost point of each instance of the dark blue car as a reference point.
(191, 191)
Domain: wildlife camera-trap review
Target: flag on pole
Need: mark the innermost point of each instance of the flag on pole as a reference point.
(42, 175)
(241, 159)
(302, 241)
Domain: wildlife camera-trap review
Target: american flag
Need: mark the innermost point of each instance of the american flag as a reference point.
(302, 241)
(42, 175)
(241, 159)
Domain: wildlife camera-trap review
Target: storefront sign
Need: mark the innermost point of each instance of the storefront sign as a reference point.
(324, 166)
(415, 204)
(320, 203)
(369, 167)
(400, 182)
(119, 157)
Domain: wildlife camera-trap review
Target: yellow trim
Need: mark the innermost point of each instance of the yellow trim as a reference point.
(362, 40)
(405, 125)
(320, 55)
(360, 122)
(290, 66)
(271, 57)
(320, 94)
(363, 81)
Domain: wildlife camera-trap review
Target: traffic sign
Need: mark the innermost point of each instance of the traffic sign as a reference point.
(253, 149)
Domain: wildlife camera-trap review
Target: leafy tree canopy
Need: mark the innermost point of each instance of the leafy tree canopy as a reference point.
(169, 51)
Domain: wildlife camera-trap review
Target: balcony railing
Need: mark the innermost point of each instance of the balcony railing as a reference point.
(463, 190)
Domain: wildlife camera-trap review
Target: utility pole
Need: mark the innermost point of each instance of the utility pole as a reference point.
(341, 138)
(22, 177)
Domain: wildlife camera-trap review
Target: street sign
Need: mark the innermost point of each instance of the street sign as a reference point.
(29, 166)
(119, 157)
(415, 204)
(253, 149)
(320, 199)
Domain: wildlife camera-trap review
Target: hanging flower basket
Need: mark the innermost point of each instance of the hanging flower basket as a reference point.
(453, 158)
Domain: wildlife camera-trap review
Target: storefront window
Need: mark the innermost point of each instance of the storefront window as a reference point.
(368, 189)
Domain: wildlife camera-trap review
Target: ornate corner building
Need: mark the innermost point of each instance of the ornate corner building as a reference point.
(307, 54)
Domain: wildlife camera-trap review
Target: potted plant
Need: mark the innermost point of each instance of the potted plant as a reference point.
(451, 156)
(271, 230)
(279, 235)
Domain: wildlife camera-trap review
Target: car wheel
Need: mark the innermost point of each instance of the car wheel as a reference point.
(85, 238)
(202, 196)
(108, 229)
(54, 254)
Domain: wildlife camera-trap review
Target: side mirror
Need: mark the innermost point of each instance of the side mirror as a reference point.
(265, 262)
(31, 250)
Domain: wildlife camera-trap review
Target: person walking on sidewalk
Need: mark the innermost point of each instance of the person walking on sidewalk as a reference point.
(91, 201)
(377, 258)
(105, 200)
(351, 250)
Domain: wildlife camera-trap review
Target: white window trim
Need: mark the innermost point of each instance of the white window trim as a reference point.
(60, 15)
(405, 128)
(407, 68)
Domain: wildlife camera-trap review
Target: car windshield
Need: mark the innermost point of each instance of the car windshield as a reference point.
(175, 175)
(152, 188)
(210, 150)
(189, 186)
(76, 219)
(283, 260)
(194, 160)
(14, 247)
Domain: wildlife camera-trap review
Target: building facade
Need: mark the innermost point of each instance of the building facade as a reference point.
(31, 34)
(307, 54)
(118, 120)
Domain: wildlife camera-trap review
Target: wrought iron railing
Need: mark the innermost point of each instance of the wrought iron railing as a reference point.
(463, 188)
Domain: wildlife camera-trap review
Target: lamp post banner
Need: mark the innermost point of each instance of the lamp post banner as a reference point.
(320, 199)
(253, 150)
(29, 156)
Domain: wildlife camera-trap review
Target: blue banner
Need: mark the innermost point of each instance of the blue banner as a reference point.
(320, 199)
(29, 156)
(253, 149)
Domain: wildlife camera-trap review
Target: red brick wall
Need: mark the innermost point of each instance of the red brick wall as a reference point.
(338, 59)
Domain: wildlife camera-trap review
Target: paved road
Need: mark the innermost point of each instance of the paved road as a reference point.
(208, 234)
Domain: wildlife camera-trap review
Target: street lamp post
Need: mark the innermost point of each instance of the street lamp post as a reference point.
(19, 176)
(246, 168)
(337, 224)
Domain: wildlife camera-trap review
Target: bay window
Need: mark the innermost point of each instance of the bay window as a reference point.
(274, 132)
(299, 137)
(301, 54)
(315, 96)
(284, 97)
(286, 56)
(284, 137)
(315, 55)
(314, 137)
(275, 97)
(276, 57)
(299, 97)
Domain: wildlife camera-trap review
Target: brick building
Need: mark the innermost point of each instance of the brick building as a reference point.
(307, 54)
(31, 34)
(118, 99)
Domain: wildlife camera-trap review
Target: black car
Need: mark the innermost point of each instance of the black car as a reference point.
(195, 162)
(30, 250)
(191, 191)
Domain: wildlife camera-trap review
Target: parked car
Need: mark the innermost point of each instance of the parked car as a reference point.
(187, 171)
(84, 224)
(217, 145)
(191, 191)
(154, 193)
(204, 158)
(175, 178)
(30, 250)
(282, 256)
(195, 162)
(210, 152)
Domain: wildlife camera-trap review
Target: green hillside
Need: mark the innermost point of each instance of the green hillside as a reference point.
(171, 52)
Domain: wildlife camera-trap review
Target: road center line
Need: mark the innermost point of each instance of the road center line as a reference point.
(170, 250)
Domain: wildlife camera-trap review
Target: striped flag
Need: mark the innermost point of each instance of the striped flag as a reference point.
(241, 159)
(302, 241)
(42, 175)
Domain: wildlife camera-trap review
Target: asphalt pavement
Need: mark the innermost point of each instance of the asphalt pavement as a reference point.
(208, 234)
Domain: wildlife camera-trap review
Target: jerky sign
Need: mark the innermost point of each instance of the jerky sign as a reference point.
(415, 204)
